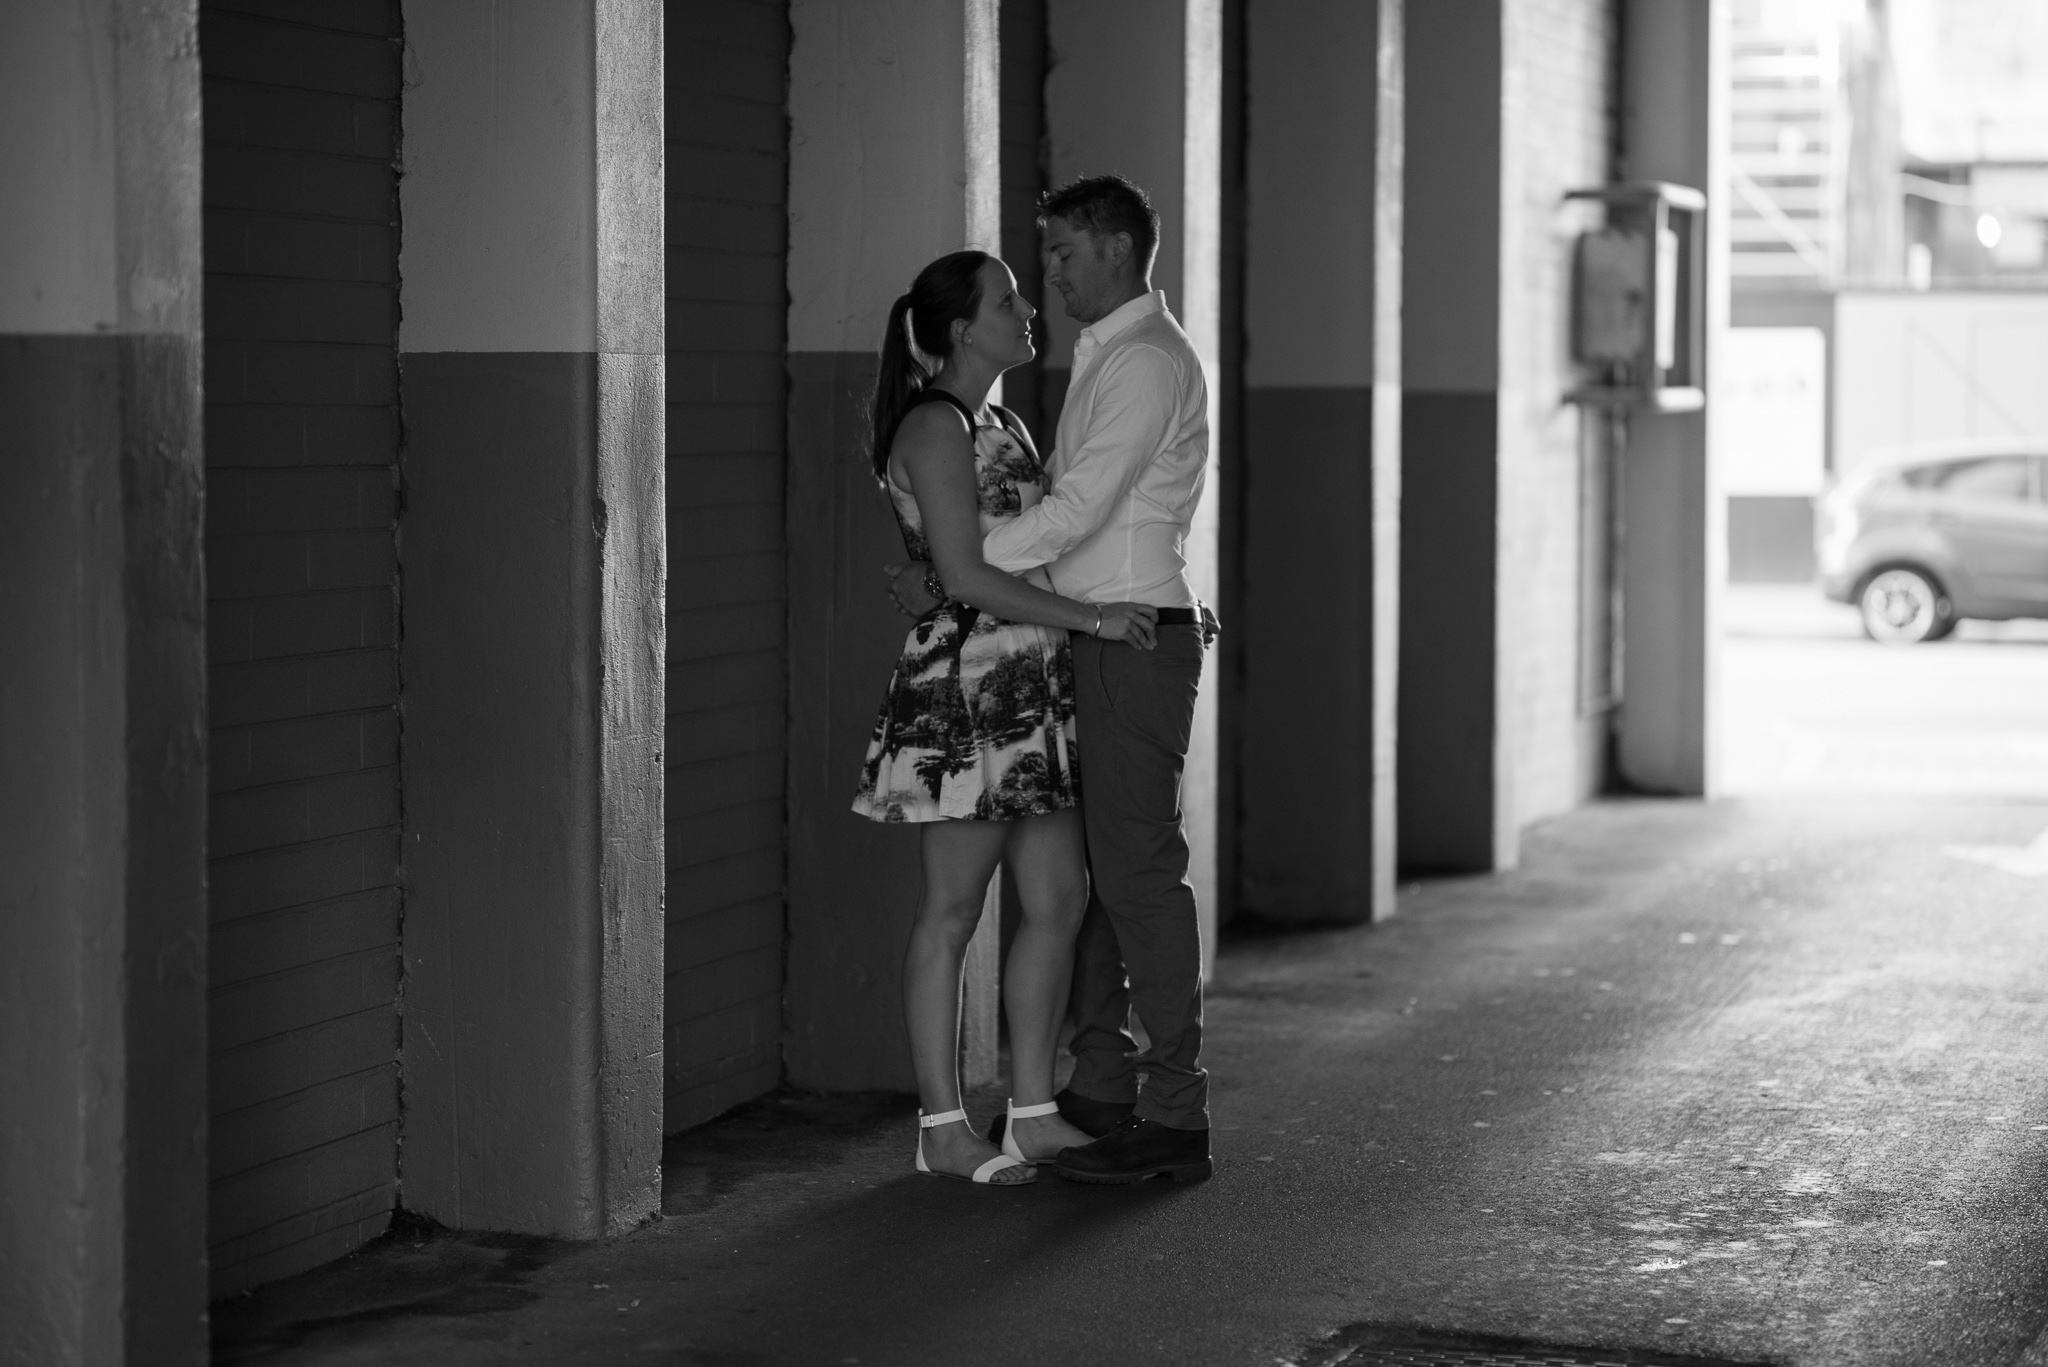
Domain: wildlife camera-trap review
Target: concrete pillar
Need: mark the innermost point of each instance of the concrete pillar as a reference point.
(1321, 474)
(531, 544)
(1456, 810)
(1504, 612)
(894, 160)
(1674, 544)
(102, 688)
(1137, 88)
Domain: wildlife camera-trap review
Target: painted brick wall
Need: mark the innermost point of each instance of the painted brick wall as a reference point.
(728, 173)
(1557, 96)
(301, 125)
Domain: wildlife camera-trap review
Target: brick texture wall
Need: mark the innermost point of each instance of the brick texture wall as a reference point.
(1558, 91)
(301, 126)
(728, 172)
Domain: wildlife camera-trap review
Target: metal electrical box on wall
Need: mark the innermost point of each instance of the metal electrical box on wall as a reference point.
(1638, 305)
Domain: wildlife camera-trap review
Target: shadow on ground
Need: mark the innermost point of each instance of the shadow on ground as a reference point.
(1753, 1081)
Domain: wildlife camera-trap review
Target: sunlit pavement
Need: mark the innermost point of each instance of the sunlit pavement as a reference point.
(1810, 705)
(1759, 1079)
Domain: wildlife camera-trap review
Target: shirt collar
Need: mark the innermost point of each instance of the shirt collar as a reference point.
(1107, 327)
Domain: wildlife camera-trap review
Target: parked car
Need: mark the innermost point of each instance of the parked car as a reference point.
(1918, 538)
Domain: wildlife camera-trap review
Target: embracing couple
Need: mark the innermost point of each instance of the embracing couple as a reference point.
(1040, 713)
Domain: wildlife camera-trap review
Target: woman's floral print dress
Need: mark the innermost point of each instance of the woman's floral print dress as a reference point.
(978, 722)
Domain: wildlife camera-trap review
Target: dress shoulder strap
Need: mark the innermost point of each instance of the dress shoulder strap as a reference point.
(933, 394)
(1014, 425)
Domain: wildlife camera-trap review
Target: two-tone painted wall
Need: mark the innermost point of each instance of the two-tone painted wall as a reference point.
(543, 584)
(894, 161)
(102, 687)
(1138, 89)
(1319, 493)
(1504, 482)
(532, 545)
(728, 697)
(302, 432)
(480, 519)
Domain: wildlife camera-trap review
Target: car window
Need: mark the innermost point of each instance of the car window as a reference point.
(1992, 477)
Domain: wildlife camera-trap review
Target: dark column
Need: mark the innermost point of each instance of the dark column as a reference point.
(1023, 59)
(1503, 711)
(302, 595)
(102, 689)
(1452, 772)
(1321, 471)
(728, 665)
(532, 549)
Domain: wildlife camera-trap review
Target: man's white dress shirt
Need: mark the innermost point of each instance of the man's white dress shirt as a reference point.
(1126, 469)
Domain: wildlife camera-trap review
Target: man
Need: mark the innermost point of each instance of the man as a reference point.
(1126, 474)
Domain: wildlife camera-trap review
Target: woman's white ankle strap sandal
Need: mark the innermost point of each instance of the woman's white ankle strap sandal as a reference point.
(1016, 1113)
(1000, 1163)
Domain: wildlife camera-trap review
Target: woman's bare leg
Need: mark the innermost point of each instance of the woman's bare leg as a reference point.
(959, 858)
(1047, 857)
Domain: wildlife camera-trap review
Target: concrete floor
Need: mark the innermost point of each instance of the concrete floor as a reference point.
(1760, 1079)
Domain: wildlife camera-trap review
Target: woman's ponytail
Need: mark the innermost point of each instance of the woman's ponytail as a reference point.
(897, 381)
(917, 341)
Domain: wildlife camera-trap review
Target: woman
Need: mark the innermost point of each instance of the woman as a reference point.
(976, 735)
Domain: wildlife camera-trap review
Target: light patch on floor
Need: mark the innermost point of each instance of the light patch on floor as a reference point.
(2028, 861)
(1810, 706)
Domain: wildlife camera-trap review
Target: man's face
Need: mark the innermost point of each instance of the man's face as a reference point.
(1082, 266)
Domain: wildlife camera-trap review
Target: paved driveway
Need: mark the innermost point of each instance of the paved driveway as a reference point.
(1812, 706)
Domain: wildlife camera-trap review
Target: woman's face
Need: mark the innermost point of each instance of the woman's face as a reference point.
(1000, 332)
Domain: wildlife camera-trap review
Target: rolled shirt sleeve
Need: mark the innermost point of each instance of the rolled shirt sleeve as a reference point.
(1132, 419)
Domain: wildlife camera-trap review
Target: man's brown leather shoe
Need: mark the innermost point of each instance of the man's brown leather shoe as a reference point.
(1135, 1150)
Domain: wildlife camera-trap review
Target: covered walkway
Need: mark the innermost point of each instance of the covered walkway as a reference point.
(1755, 1080)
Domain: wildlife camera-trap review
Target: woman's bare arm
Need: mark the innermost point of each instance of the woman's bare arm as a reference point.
(936, 455)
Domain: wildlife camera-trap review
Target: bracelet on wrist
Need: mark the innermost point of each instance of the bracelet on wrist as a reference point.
(1098, 619)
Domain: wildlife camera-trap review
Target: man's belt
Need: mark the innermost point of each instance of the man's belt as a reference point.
(1197, 616)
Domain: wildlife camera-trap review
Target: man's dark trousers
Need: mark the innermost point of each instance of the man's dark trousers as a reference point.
(1136, 710)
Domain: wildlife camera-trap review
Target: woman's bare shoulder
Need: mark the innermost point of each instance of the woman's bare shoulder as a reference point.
(932, 419)
(930, 427)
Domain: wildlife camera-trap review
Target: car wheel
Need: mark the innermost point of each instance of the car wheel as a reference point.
(1903, 607)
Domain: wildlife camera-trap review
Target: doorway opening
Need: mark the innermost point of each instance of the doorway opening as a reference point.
(1882, 438)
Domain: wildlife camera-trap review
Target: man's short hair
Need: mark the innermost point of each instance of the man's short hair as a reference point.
(1106, 205)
